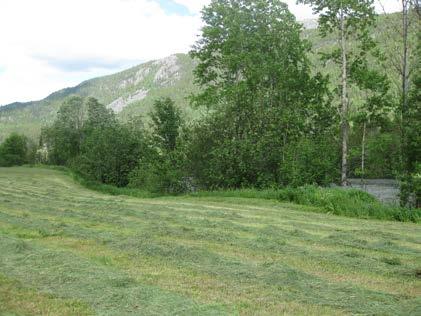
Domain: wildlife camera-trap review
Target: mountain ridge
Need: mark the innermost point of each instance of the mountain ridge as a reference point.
(128, 92)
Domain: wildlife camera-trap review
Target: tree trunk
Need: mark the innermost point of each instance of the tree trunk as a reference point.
(405, 164)
(405, 85)
(363, 156)
(344, 105)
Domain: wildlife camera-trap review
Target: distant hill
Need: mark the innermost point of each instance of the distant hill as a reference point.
(128, 93)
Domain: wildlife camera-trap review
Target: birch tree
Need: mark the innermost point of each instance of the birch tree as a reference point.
(350, 20)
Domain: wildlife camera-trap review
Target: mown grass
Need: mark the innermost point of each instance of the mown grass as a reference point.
(67, 249)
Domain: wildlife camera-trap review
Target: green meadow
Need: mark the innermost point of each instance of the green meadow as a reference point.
(67, 250)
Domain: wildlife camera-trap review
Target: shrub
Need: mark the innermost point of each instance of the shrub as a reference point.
(310, 161)
(108, 155)
(160, 175)
(13, 151)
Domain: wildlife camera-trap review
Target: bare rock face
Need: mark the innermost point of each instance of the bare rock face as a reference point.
(138, 78)
(164, 72)
(168, 71)
(119, 104)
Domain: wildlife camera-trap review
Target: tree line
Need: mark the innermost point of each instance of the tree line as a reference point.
(271, 119)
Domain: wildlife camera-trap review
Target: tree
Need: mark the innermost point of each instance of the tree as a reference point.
(411, 185)
(108, 154)
(160, 167)
(349, 19)
(13, 151)
(376, 104)
(63, 139)
(98, 116)
(403, 55)
(166, 122)
(257, 84)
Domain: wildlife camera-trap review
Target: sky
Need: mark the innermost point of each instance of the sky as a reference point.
(47, 45)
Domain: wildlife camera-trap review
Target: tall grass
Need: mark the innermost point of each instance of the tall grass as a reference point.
(266, 194)
(350, 202)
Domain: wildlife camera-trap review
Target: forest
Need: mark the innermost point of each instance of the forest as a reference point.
(271, 119)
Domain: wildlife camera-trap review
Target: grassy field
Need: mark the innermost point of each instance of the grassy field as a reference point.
(66, 250)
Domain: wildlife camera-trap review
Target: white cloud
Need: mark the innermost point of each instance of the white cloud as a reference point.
(46, 45)
(32, 33)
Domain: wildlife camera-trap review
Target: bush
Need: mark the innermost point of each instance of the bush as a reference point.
(382, 154)
(310, 161)
(13, 151)
(108, 155)
(160, 175)
(411, 188)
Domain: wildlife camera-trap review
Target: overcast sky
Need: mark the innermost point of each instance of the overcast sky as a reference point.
(46, 45)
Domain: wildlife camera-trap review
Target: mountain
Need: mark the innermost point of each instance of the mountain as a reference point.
(129, 92)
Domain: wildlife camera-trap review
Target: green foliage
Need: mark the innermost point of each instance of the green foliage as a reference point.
(110, 150)
(88, 137)
(14, 150)
(160, 169)
(98, 116)
(111, 189)
(64, 137)
(256, 81)
(108, 155)
(411, 178)
(260, 158)
(311, 161)
(359, 14)
(411, 188)
(166, 121)
(382, 151)
(162, 175)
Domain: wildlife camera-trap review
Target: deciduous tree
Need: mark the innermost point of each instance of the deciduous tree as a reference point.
(349, 20)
